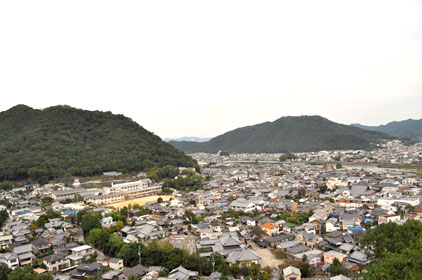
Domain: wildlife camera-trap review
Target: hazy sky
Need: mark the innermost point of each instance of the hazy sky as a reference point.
(201, 68)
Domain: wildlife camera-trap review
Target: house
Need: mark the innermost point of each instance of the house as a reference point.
(80, 254)
(331, 255)
(244, 257)
(388, 218)
(40, 246)
(243, 205)
(84, 271)
(25, 255)
(9, 259)
(111, 275)
(67, 226)
(291, 273)
(113, 263)
(56, 262)
(331, 225)
(138, 271)
(181, 273)
(340, 277)
(358, 258)
(5, 241)
(276, 240)
(271, 228)
(107, 222)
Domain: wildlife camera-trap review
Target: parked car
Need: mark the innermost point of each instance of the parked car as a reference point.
(261, 244)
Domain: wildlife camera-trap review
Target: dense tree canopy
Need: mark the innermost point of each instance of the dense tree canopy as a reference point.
(288, 134)
(396, 251)
(157, 174)
(391, 238)
(188, 180)
(90, 220)
(63, 141)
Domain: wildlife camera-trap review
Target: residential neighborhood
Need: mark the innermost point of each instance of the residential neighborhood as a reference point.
(253, 217)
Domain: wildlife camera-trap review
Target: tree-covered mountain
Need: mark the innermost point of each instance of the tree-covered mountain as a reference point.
(407, 128)
(63, 141)
(289, 134)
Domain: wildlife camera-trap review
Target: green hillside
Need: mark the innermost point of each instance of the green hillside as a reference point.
(407, 128)
(290, 134)
(63, 141)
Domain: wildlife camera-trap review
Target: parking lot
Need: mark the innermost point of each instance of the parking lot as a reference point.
(267, 258)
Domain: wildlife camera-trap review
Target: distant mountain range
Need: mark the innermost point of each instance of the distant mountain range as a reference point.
(187, 138)
(407, 128)
(288, 134)
(63, 141)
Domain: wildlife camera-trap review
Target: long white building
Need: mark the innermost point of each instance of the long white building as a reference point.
(128, 195)
(129, 186)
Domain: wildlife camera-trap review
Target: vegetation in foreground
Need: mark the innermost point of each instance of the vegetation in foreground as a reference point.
(396, 251)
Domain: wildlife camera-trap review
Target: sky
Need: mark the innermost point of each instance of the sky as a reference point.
(202, 68)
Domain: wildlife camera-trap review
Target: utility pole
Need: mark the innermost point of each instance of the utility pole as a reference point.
(139, 254)
(212, 262)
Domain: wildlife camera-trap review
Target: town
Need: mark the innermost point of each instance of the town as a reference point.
(242, 216)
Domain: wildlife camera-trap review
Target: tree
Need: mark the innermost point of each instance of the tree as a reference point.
(130, 254)
(391, 238)
(50, 214)
(336, 268)
(323, 188)
(258, 232)
(119, 225)
(78, 198)
(6, 186)
(90, 220)
(166, 172)
(279, 254)
(410, 208)
(287, 156)
(339, 165)
(301, 193)
(98, 237)
(4, 271)
(4, 216)
(160, 200)
(113, 245)
(27, 273)
(396, 251)
(92, 258)
(396, 266)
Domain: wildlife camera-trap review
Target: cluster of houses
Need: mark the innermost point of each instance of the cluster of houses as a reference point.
(391, 152)
(312, 212)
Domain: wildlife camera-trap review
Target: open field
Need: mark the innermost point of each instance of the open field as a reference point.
(141, 201)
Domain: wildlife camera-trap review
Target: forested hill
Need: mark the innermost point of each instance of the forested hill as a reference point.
(407, 128)
(63, 141)
(289, 134)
